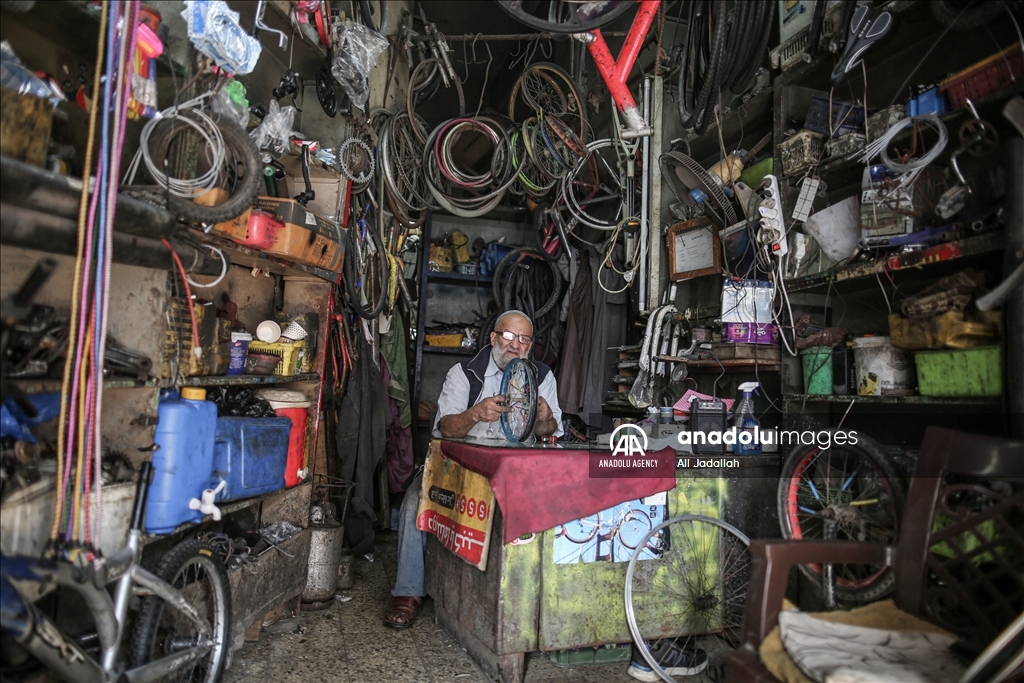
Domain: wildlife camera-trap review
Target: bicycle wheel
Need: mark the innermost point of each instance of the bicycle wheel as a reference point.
(858, 488)
(566, 17)
(195, 570)
(582, 530)
(547, 87)
(634, 527)
(519, 387)
(687, 598)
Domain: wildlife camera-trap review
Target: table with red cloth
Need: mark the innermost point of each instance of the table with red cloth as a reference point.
(540, 488)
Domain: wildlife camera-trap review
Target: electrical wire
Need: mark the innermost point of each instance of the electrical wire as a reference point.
(196, 348)
(223, 269)
(631, 268)
(912, 168)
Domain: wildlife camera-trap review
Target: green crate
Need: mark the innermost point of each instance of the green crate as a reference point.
(592, 655)
(960, 372)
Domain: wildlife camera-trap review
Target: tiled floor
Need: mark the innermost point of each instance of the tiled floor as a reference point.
(349, 643)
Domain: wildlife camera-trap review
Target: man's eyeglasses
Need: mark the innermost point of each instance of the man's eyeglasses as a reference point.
(507, 335)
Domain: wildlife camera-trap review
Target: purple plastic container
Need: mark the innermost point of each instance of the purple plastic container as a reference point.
(750, 333)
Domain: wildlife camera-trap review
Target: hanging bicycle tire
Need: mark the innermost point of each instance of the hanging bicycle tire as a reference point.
(506, 277)
(565, 17)
(369, 282)
(195, 570)
(858, 488)
(241, 173)
(686, 586)
(548, 88)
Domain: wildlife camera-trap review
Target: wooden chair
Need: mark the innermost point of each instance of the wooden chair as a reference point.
(977, 484)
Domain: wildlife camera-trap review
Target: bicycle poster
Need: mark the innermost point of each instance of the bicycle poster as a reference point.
(612, 535)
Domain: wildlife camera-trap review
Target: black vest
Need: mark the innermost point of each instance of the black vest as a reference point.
(476, 367)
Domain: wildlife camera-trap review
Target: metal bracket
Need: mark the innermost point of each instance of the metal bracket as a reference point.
(144, 420)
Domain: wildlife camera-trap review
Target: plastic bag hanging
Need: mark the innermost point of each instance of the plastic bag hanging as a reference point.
(214, 30)
(273, 134)
(356, 50)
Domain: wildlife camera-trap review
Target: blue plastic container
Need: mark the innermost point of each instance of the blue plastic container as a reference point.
(184, 460)
(250, 454)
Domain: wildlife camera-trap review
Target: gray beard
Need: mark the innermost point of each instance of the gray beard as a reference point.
(498, 356)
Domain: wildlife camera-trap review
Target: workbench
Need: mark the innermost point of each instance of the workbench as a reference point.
(524, 602)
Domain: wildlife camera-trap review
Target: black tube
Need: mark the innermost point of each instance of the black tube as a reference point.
(21, 227)
(25, 185)
(141, 493)
(36, 279)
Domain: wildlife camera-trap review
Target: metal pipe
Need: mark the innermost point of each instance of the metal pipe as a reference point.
(645, 184)
(25, 185)
(21, 227)
(467, 37)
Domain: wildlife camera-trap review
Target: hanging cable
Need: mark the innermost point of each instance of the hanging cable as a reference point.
(196, 348)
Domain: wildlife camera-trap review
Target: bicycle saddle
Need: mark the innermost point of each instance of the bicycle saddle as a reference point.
(869, 30)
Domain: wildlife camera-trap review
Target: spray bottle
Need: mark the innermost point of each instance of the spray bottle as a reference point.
(746, 423)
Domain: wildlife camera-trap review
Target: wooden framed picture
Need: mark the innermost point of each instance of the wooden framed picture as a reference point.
(694, 249)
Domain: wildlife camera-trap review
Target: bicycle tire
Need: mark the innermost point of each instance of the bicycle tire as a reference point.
(582, 538)
(349, 275)
(410, 103)
(849, 585)
(699, 594)
(526, 429)
(514, 9)
(645, 522)
(549, 72)
(245, 153)
(149, 639)
(496, 284)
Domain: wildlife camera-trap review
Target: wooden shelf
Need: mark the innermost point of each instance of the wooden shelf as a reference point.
(253, 258)
(235, 380)
(917, 258)
(890, 400)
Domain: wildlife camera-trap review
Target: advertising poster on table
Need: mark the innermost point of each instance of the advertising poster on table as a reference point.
(456, 506)
(612, 535)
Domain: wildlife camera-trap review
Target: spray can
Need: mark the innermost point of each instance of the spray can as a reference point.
(745, 423)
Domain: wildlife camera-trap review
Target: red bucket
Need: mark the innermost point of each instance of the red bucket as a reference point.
(295, 406)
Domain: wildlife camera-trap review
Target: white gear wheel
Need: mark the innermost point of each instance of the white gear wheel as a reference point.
(343, 156)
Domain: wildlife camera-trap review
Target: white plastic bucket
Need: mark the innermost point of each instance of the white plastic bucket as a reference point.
(883, 370)
(836, 228)
(283, 399)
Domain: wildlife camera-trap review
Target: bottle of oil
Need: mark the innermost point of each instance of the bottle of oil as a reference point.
(747, 427)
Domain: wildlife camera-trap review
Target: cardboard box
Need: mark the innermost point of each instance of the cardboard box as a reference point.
(328, 186)
(307, 237)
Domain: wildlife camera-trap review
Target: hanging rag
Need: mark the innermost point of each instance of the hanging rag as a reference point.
(363, 419)
(398, 453)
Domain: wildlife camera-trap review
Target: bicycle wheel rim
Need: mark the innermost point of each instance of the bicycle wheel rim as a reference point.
(802, 521)
(519, 387)
(696, 582)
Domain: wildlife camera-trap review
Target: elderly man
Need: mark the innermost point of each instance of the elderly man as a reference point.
(467, 407)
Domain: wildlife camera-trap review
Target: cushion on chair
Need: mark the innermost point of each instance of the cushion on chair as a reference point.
(882, 615)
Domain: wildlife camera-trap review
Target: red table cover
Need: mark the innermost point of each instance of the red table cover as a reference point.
(538, 489)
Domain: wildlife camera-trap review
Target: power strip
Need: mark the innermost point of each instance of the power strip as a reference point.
(772, 234)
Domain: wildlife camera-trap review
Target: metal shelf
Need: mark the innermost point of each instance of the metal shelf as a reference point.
(459, 279)
(449, 350)
(45, 385)
(891, 400)
(235, 380)
(950, 251)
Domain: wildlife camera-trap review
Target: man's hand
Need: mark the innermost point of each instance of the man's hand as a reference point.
(545, 423)
(543, 410)
(491, 409)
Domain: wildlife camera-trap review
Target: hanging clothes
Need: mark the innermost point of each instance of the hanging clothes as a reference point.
(398, 453)
(393, 352)
(609, 331)
(572, 377)
(363, 419)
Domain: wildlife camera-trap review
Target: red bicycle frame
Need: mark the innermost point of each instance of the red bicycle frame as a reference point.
(616, 72)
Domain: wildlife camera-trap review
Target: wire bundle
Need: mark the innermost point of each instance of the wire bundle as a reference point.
(910, 169)
(78, 504)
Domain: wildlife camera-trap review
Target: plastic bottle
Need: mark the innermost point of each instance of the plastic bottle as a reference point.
(183, 463)
(746, 423)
